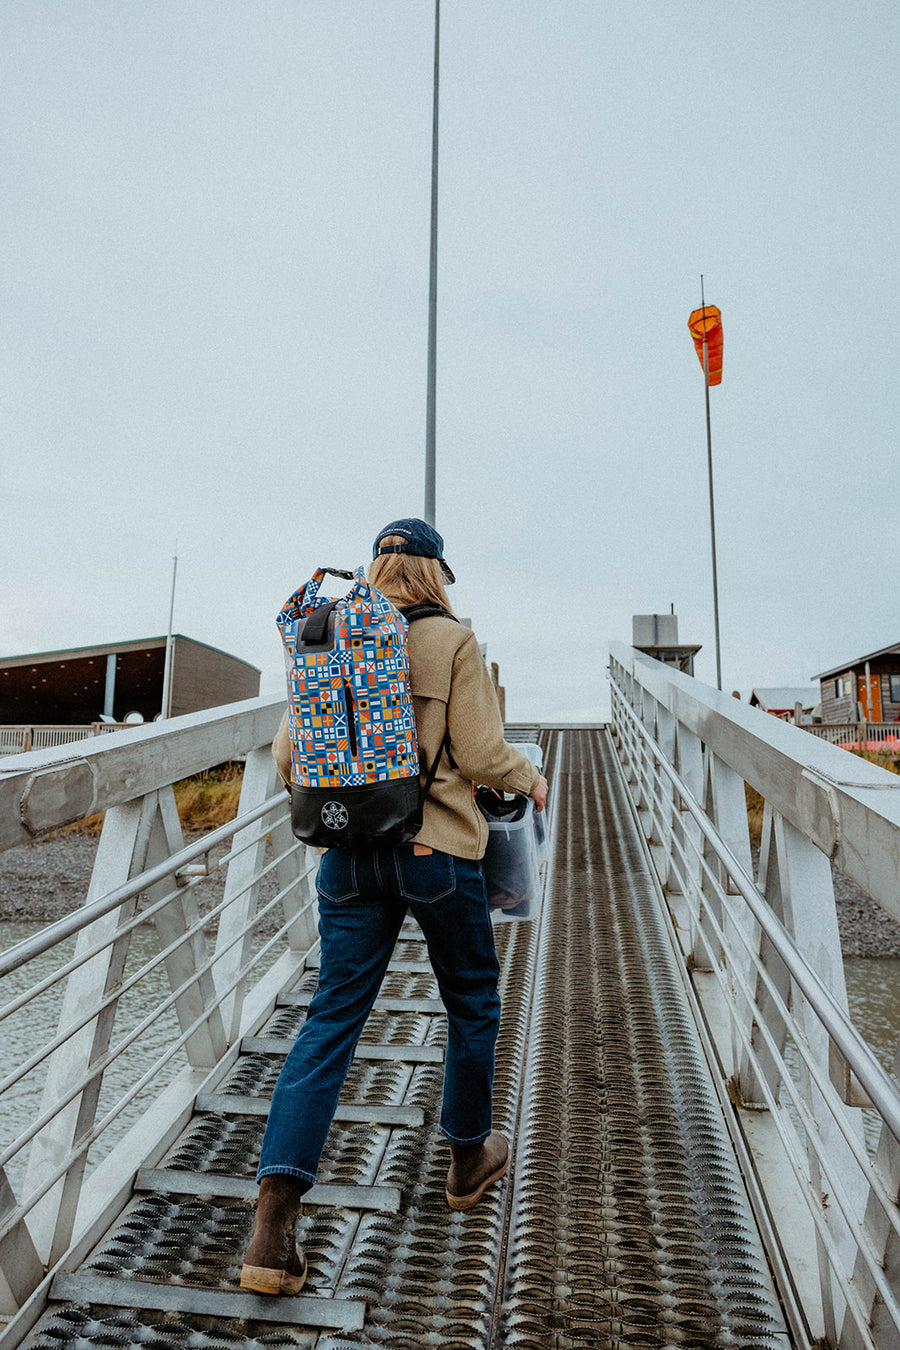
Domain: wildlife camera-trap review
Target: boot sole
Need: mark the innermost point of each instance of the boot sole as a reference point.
(266, 1280)
(469, 1201)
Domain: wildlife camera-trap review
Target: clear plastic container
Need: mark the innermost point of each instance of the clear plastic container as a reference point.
(516, 850)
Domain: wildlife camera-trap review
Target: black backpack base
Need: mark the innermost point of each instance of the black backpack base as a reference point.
(348, 817)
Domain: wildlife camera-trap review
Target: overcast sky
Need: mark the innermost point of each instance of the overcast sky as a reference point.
(214, 241)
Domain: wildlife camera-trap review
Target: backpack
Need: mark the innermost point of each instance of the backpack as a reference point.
(355, 773)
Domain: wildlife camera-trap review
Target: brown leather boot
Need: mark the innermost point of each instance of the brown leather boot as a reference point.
(474, 1167)
(273, 1263)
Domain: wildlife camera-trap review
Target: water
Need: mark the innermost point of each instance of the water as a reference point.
(873, 996)
(873, 993)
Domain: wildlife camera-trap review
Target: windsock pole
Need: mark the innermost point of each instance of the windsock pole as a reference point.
(431, 380)
(712, 507)
(167, 673)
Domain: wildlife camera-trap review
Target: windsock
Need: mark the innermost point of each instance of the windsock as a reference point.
(707, 323)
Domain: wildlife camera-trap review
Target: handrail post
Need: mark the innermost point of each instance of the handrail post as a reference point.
(795, 878)
(235, 936)
(120, 856)
(883, 1238)
(726, 806)
(206, 1045)
(684, 872)
(295, 874)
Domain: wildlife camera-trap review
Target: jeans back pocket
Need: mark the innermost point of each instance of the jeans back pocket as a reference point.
(336, 877)
(424, 877)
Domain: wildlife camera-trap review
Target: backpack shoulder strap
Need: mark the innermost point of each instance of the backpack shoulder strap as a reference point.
(432, 772)
(426, 609)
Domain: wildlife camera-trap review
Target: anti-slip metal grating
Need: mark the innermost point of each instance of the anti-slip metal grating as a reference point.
(630, 1226)
(624, 1223)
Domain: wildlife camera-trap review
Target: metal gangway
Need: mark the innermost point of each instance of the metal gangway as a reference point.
(676, 1066)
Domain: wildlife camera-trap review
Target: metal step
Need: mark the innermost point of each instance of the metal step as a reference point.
(169, 1181)
(220, 1103)
(395, 968)
(400, 1005)
(332, 1313)
(412, 1054)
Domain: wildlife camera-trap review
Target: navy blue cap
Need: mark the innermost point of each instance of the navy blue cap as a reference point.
(422, 541)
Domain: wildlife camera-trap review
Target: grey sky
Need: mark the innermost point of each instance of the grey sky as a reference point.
(214, 235)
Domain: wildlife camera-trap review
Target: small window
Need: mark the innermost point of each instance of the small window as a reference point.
(894, 683)
(839, 688)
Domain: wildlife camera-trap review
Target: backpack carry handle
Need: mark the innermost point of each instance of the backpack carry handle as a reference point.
(311, 590)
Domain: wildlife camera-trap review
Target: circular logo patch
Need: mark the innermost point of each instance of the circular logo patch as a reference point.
(334, 815)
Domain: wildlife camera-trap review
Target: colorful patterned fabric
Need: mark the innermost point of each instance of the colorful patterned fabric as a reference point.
(351, 713)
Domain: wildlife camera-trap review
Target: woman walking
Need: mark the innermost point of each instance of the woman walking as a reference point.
(364, 893)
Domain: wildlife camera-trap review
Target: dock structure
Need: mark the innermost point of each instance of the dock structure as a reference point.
(676, 1068)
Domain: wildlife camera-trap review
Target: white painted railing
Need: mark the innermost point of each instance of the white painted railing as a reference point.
(871, 736)
(762, 948)
(15, 740)
(222, 964)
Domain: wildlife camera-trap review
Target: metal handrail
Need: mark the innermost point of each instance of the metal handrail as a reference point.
(882, 1090)
(99, 1065)
(43, 789)
(81, 959)
(71, 924)
(822, 1082)
(135, 979)
(215, 961)
(816, 799)
(847, 807)
(24, 1207)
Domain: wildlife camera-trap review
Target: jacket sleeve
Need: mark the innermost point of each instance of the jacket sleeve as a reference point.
(476, 730)
(281, 750)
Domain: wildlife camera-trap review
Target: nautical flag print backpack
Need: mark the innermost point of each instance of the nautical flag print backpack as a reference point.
(354, 756)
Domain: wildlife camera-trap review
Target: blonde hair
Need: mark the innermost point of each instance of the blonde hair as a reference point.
(407, 579)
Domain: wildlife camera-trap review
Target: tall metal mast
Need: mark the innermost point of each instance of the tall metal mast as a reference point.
(432, 289)
(167, 674)
(712, 509)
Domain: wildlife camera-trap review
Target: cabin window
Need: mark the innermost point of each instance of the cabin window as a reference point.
(894, 683)
(839, 688)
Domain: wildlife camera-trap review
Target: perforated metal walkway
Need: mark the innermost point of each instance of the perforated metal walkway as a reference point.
(623, 1222)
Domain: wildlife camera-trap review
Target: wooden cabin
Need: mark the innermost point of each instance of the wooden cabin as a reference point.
(866, 689)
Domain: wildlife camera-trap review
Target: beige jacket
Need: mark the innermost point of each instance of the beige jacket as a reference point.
(452, 691)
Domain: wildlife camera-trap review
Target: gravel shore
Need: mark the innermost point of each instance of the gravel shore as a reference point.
(45, 880)
(864, 927)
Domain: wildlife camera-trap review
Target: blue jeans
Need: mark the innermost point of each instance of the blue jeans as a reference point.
(363, 897)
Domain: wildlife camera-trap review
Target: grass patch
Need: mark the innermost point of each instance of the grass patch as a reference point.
(205, 801)
(209, 800)
(755, 808)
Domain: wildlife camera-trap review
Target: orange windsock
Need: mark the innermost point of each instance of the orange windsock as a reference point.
(707, 323)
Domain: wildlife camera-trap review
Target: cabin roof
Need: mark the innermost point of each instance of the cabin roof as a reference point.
(858, 661)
